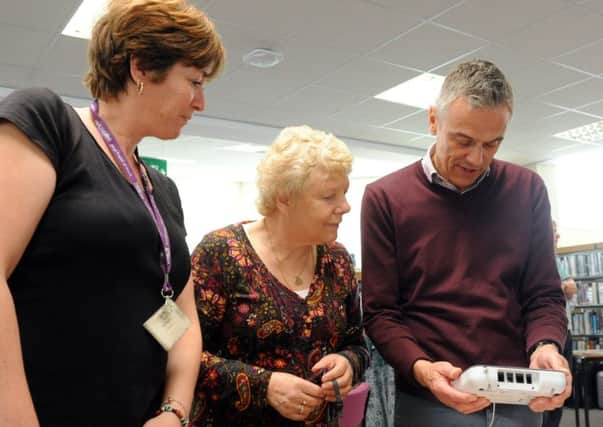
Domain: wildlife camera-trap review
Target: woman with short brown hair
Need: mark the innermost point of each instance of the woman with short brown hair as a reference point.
(93, 245)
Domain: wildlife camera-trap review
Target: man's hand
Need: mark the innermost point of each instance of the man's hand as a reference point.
(547, 357)
(437, 376)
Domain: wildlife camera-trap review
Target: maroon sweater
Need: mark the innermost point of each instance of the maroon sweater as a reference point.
(468, 279)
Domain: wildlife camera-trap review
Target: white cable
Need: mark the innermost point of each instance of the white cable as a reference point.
(493, 413)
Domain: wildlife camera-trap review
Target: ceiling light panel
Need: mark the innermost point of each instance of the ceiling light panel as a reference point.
(421, 91)
(81, 23)
(591, 133)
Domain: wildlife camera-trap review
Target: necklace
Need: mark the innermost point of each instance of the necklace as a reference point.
(298, 280)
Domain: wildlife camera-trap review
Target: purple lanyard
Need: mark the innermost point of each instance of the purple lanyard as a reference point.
(146, 196)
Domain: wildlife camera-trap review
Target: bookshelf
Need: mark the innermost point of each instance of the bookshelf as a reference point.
(585, 265)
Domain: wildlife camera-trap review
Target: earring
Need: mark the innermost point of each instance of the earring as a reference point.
(140, 87)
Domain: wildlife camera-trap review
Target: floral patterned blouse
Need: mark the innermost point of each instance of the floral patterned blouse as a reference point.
(253, 325)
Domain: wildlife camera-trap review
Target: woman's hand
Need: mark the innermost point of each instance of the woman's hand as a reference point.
(164, 419)
(292, 396)
(337, 368)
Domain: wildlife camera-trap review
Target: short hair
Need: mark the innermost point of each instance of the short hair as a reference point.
(158, 33)
(295, 152)
(480, 81)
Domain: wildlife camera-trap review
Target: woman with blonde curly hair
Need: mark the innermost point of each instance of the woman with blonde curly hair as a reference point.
(93, 245)
(278, 298)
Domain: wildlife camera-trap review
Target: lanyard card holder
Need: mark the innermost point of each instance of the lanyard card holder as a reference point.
(167, 324)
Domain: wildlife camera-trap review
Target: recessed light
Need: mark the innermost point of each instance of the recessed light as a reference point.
(81, 23)
(421, 91)
(592, 132)
(263, 58)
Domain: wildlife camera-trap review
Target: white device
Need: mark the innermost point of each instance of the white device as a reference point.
(503, 384)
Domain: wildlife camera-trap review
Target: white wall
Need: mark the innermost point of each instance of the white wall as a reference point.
(573, 184)
(579, 179)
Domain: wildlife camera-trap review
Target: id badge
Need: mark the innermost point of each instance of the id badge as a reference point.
(167, 324)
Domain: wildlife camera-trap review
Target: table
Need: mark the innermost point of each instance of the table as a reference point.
(584, 361)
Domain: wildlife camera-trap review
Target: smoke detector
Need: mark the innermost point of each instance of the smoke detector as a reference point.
(263, 58)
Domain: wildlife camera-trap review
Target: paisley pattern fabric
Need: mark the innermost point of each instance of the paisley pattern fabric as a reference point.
(253, 325)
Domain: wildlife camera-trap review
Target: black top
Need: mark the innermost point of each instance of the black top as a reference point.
(90, 277)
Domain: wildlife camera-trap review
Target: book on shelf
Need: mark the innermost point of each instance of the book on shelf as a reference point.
(589, 293)
(583, 264)
(588, 343)
(587, 321)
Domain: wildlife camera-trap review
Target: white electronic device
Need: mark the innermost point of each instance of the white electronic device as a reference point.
(503, 384)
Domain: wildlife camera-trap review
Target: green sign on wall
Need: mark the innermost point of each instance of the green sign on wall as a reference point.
(155, 163)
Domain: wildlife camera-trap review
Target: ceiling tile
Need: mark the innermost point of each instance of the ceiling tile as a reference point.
(513, 156)
(426, 47)
(505, 19)
(421, 144)
(240, 41)
(202, 4)
(422, 9)
(575, 95)
(31, 45)
(417, 123)
(526, 112)
(588, 58)
(14, 77)
(538, 148)
(566, 30)
(374, 112)
(327, 29)
(594, 5)
(257, 87)
(281, 18)
(66, 55)
(547, 127)
(319, 101)
(425, 140)
(62, 84)
(355, 77)
(219, 107)
(375, 134)
(391, 136)
(265, 87)
(46, 16)
(595, 108)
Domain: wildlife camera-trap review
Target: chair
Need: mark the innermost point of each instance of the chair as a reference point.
(354, 405)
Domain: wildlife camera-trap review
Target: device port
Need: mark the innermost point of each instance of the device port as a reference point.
(510, 377)
(519, 377)
(528, 378)
(501, 377)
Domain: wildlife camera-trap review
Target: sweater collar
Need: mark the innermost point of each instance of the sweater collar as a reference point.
(434, 177)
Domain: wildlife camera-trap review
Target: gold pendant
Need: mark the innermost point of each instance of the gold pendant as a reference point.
(298, 281)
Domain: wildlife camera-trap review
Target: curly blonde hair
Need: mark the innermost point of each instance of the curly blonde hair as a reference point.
(295, 152)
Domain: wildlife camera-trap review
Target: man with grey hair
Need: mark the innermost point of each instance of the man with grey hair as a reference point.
(458, 266)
